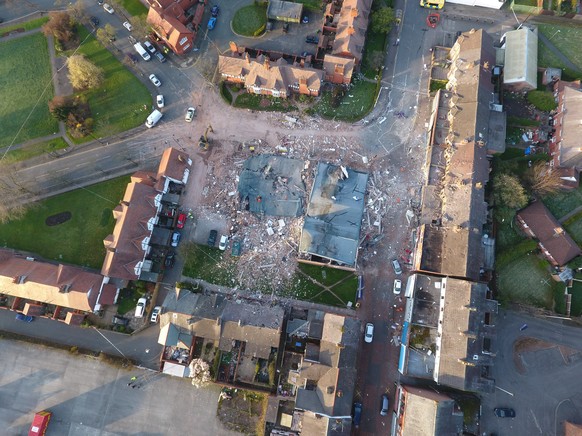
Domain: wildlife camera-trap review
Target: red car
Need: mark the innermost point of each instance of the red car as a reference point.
(181, 221)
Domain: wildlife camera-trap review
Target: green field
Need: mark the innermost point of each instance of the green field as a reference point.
(209, 264)
(118, 105)
(25, 89)
(79, 240)
(357, 102)
(133, 7)
(567, 38)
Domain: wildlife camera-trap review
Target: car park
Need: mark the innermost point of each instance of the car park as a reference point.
(215, 10)
(108, 8)
(369, 333)
(156, 313)
(181, 221)
(385, 404)
(190, 114)
(504, 412)
(211, 23)
(160, 57)
(212, 238)
(149, 47)
(128, 25)
(170, 258)
(357, 414)
(311, 39)
(175, 239)
(160, 101)
(94, 21)
(223, 242)
(140, 308)
(155, 80)
(397, 287)
(396, 267)
(24, 318)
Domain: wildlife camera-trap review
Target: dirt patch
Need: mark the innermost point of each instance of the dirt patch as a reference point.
(244, 412)
(59, 218)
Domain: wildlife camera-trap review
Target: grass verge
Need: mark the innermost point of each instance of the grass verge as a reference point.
(208, 264)
(373, 54)
(342, 285)
(133, 7)
(79, 240)
(26, 26)
(34, 150)
(25, 82)
(263, 103)
(567, 38)
(355, 103)
(249, 20)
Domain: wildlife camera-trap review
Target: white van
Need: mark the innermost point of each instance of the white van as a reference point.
(142, 51)
(153, 119)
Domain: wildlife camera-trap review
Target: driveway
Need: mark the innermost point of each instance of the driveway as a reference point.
(541, 381)
(89, 397)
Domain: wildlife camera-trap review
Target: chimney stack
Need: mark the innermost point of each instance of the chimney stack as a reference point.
(354, 12)
(247, 58)
(267, 64)
(233, 47)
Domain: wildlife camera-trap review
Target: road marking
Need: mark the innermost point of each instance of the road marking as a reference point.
(503, 390)
(536, 421)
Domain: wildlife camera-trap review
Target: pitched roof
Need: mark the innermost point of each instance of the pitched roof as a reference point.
(571, 126)
(351, 28)
(334, 65)
(56, 284)
(549, 232)
(174, 166)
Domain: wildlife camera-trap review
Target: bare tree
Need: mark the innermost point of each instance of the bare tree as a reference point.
(543, 179)
(77, 11)
(140, 27)
(61, 26)
(83, 73)
(105, 34)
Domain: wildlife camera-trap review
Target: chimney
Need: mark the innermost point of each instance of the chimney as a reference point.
(233, 47)
(247, 58)
(354, 12)
(181, 158)
(303, 86)
(351, 30)
(267, 64)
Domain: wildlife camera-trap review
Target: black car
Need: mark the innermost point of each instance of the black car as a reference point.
(357, 414)
(311, 39)
(160, 57)
(504, 412)
(215, 10)
(212, 238)
(170, 258)
(94, 21)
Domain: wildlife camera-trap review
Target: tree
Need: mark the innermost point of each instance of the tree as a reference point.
(141, 28)
(543, 179)
(60, 107)
(508, 192)
(77, 11)
(381, 20)
(61, 26)
(84, 74)
(376, 60)
(105, 34)
(200, 373)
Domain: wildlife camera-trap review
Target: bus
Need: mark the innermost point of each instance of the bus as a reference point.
(432, 4)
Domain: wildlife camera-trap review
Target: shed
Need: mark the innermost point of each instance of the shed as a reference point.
(284, 11)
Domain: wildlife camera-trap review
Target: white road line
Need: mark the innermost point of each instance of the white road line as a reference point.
(503, 390)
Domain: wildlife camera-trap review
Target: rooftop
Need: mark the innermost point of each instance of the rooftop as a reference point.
(521, 57)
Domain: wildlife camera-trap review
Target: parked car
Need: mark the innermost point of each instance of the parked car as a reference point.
(357, 414)
(223, 242)
(311, 39)
(170, 258)
(149, 47)
(369, 333)
(155, 80)
(190, 114)
(175, 239)
(215, 10)
(211, 23)
(160, 101)
(24, 318)
(305, 19)
(140, 308)
(212, 238)
(181, 221)
(156, 313)
(385, 404)
(160, 57)
(504, 412)
(128, 25)
(396, 267)
(108, 8)
(120, 320)
(133, 58)
(94, 21)
(236, 248)
(397, 287)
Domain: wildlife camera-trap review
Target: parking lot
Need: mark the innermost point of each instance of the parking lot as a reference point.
(89, 397)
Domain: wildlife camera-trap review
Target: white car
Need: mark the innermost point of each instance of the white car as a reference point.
(140, 308)
(160, 101)
(397, 287)
(156, 313)
(108, 8)
(155, 80)
(190, 114)
(128, 25)
(369, 333)
(223, 242)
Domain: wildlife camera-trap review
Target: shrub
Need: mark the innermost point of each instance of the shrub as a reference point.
(542, 100)
(225, 93)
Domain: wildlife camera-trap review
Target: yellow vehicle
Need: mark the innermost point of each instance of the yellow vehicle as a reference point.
(432, 4)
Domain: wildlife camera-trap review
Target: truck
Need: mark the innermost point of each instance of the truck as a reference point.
(142, 51)
(40, 423)
(153, 119)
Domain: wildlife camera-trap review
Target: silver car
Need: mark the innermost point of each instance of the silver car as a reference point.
(396, 266)
(155, 80)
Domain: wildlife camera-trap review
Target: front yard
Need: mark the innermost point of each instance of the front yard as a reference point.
(350, 105)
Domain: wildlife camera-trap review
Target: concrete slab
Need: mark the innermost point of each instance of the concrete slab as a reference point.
(90, 397)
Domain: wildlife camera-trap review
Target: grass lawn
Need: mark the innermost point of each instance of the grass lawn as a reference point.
(118, 105)
(25, 73)
(357, 102)
(249, 20)
(311, 5)
(563, 202)
(133, 7)
(208, 264)
(576, 291)
(573, 226)
(29, 25)
(343, 285)
(567, 37)
(527, 280)
(79, 240)
(263, 103)
(33, 150)
(374, 49)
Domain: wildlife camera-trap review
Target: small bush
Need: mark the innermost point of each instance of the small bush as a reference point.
(225, 93)
(542, 100)
(435, 85)
(74, 350)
